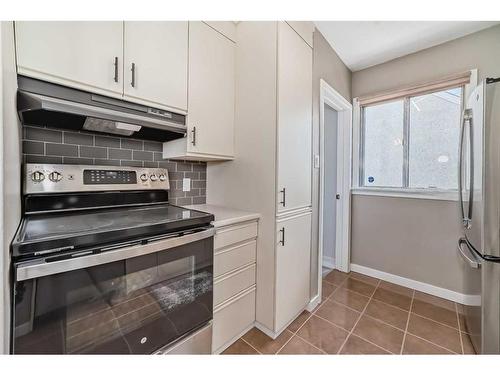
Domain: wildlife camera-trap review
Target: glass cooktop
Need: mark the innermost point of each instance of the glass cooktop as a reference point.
(42, 232)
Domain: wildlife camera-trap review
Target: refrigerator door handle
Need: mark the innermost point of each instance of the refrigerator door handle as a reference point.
(468, 255)
(466, 218)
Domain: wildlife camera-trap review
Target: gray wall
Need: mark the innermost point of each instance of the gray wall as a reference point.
(417, 238)
(480, 51)
(327, 66)
(47, 145)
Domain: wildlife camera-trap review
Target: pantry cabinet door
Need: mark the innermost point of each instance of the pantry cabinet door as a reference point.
(294, 120)
(156, 63)
(84, 55)
(293, 252)
(211, 92)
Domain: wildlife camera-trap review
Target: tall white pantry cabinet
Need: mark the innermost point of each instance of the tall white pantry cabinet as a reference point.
(271, 173)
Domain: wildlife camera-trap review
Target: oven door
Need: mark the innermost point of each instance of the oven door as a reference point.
(134, 299)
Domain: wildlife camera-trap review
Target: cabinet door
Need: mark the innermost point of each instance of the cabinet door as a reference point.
(159, 54)
(294, 120)
(292, 267)
(211, 91)
(85, 55)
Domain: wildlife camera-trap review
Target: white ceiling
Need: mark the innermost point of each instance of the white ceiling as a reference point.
(361, 44)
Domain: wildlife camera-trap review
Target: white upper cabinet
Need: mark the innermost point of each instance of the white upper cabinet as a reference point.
(184, 67)
(210, 120)
(226, 28)
(156, 63)
(305, 29)
(211, 91)
(293, 253)
(294, 120)
(84, 55)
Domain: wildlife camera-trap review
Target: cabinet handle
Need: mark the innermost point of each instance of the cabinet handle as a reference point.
(193, 142)
(283, 201)
(116, 69)
(132, 83)
(282, 241)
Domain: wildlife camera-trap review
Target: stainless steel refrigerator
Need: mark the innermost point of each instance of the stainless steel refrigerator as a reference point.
(479, 186)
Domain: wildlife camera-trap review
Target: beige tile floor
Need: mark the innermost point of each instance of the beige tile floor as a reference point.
(364, 315)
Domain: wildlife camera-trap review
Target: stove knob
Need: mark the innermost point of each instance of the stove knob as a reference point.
(163, 177)
(144, 177)
(37, 176)
(153, 177)
(55, 176)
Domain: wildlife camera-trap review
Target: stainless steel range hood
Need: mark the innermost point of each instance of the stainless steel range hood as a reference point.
(45, 104)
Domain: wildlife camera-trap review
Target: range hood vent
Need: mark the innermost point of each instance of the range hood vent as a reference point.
(45, 104)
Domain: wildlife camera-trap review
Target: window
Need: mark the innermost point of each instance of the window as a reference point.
(412, 142)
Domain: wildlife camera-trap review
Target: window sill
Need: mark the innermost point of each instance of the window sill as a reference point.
(430, 194)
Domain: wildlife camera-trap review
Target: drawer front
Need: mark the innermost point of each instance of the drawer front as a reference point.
(234, 234)
(233, 319)
(234, 257)
(233, 284)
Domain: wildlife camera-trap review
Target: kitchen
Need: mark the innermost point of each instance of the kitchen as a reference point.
(168, 200)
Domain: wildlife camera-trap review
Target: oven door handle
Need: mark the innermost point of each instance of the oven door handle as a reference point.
(33, 269)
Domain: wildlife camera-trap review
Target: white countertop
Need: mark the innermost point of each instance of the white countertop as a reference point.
(225, 215)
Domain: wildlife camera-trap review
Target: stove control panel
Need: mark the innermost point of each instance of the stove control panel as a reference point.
(51, 178)
(102, 176)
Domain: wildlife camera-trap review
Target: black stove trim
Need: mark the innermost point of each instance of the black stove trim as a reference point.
(56, 202)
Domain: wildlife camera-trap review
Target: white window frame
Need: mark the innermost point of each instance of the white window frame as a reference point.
(403, 192)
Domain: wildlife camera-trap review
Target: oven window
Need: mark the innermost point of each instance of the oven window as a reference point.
(137, 305)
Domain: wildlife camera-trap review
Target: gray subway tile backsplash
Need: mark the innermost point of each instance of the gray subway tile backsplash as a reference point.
(77, 139)
(119, 154)
(41, 134)
(82, 161)
(184, 167)
(142, 155)
(57, 149)
(43, 159)
(131, 144)
(33, 147)
(107, 141)
(132, 163)
(152, 146)
(53, 146)
(93, 152)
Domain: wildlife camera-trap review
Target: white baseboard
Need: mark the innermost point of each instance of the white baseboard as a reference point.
(328, 262)
(273, 334)
(313, 303)
(266, 330)
(465, 299)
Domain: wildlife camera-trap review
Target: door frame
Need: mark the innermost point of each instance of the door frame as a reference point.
(329, 96)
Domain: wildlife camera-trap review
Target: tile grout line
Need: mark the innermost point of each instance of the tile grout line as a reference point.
(307, 342)
(363, 338)
(250, 345)
(435, 321)
(368, 341)
(432, 343)
(294, 334)
(459, 329)
(359, 318)
(309, 317)
(385, 323)
(363, 313)
(360, 312)
(407, 322)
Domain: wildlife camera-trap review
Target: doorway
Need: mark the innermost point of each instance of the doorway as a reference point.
(330, 188)
(335, 181)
